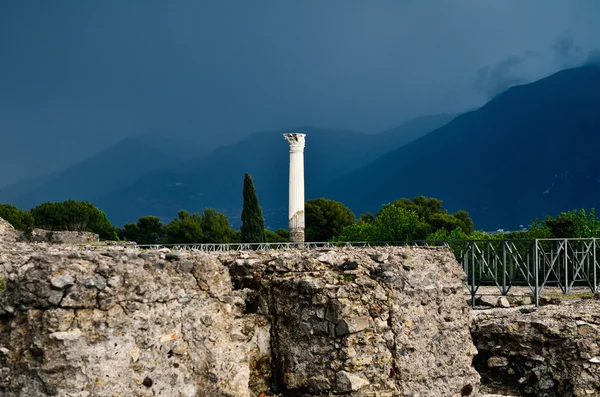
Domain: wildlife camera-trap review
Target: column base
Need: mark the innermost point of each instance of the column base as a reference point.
(297, 235)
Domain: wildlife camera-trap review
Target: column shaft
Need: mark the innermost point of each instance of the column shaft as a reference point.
(296, 187)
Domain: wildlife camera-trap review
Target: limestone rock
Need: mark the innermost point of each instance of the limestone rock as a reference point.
(488, 300)
(61, 281)
(347, 382)
(503, 302)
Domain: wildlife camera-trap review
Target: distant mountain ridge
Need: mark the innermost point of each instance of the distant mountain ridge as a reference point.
(216, 180)
(531, 151)
(111, 169)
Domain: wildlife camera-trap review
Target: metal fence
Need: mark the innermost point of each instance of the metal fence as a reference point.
(504, 264)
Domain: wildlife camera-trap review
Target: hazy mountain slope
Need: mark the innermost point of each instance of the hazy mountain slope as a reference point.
(411, 130)
(176, 147)
(111, 169)
(12, 192)
(530, 151)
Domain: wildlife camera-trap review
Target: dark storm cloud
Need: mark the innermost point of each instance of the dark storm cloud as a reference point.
(566, 52)
(513, 70)
(492, 80)
(76, 76)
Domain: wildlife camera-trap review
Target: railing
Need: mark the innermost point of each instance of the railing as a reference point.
(504, 264)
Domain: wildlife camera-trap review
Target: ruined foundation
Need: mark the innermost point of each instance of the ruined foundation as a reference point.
(553, 351)
(119, 322)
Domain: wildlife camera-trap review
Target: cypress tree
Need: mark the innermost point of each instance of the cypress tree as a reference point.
(253, 224)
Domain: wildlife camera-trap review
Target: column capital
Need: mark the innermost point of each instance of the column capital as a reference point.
(296, 141)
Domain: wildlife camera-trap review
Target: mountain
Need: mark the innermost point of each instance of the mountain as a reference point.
(531, 151)
(176, 146)
(411, 130)
(111, 169)
(216, 180)
(11, 193)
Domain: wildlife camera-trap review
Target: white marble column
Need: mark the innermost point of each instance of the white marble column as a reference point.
(296, 200)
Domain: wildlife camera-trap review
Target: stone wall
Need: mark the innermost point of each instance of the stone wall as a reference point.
(64, 236)
(8, 234)
(553, 351)
(358, 322)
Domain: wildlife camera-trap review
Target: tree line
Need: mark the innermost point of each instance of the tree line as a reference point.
(422, 218)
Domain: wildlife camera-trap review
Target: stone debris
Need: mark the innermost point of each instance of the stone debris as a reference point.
(121, 322)
(503, 302)
(347, 382)
(62, 281)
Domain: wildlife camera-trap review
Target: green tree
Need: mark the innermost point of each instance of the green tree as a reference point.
(19, 219)
(574, 224)
(279, 236)
(433, 216)
(147, 230)
(357, 232)
(75, 216)
(367, 217)
(184, 229)
(215, 227)
(562, 226)
(326, 219)
(253, 223)
(445, 235)
(392, 223)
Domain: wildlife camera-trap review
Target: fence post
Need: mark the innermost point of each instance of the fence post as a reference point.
(566, 247)
(594, 264)
(504, 288)
(472, 274)
(536, 292)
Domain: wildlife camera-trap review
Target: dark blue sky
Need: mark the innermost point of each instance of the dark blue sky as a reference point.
(76, 76)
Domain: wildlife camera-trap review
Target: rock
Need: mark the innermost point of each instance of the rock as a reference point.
(95, 282)
(347, 382)
(349, 265)
(185, 266)
(66, 335)
(62, 281)
(497, 361)
(172, 256)
(352, 325)
(8, 234)
(55, 297)
(503, 302)
(524, 300)
(549, 352)
(380, 257)
(488, 300)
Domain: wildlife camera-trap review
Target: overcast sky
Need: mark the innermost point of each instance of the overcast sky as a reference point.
(76, 76)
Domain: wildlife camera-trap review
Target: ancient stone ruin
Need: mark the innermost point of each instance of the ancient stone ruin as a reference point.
(550, 352)
(123, 322)
(377, 322)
